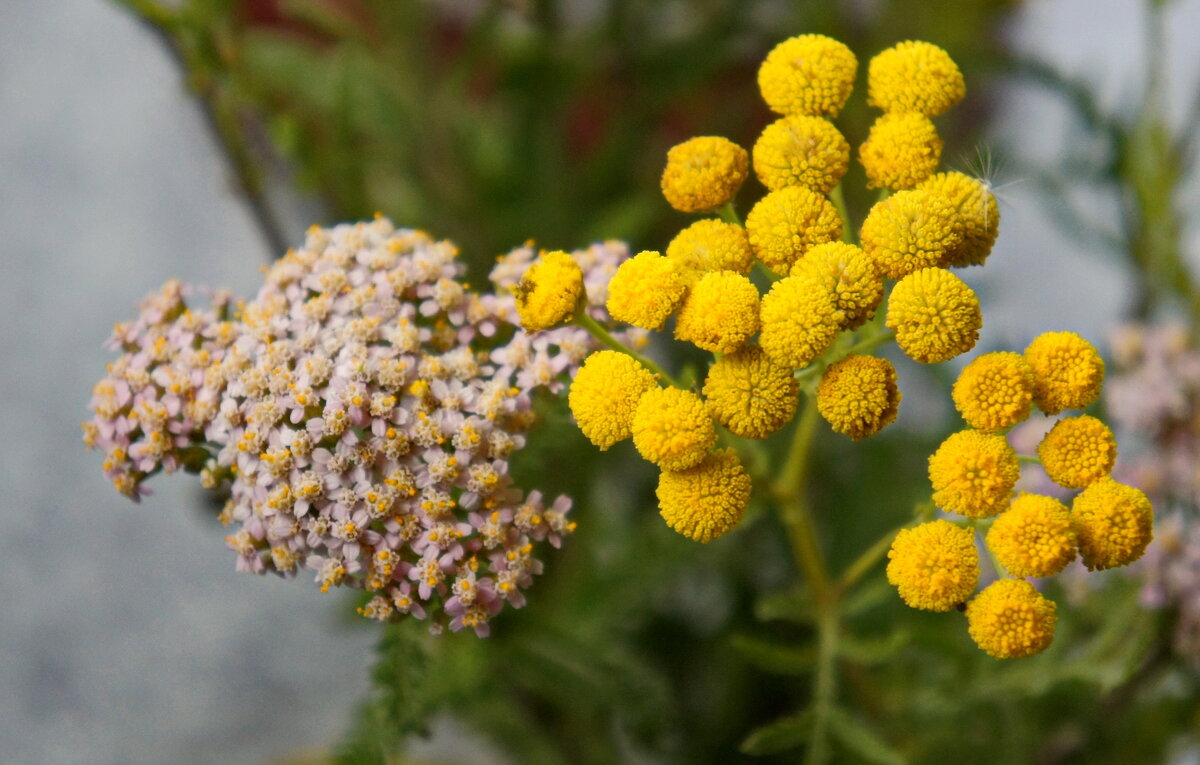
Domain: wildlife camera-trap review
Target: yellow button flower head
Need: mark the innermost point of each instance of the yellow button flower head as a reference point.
(973, 474)
(646, 289)
(977, 216)
(901, 150)
(800, 320)
(809, 74)
(705, 501)
(935, 315)
(672, 429)
(719, 313)
(934, 566)
(1078, 451)
(858, 396)
(850, 274)
(995, 391)
(749, 394)
(549, 292)
(1011, 620)
(801, 151)
(712, 245)
(911, 230)
(786, 223)
(914, 77)
(1113, 523)
(605, 394)
(1067, 371)
(1033, 537)
(704, 173)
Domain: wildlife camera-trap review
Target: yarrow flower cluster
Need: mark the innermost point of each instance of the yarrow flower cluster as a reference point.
(361, 411)
(974, 474)
(813, 328)
(1154, 397)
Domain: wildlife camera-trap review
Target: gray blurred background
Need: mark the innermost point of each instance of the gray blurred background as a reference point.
(126, 635)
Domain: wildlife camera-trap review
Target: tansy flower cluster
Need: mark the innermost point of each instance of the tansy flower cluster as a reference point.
(361, 411)
(1029, 536)
(787, 303)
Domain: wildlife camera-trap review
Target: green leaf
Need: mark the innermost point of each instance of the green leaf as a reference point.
(871, 594)
(779, 736)
(872, 650)
(860, 740)
(776, 658)
(788, 606)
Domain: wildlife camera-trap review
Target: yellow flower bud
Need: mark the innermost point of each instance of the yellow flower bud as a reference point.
(704, 173)
(550, 291)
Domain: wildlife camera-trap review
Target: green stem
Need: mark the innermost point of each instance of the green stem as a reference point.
(865, 562)
(1029, 459)
(824, 686)
(728, 214)
(789, 491)
(752, 454)
(981, 530)
(838, 197)
(868, 344)
(604, 336)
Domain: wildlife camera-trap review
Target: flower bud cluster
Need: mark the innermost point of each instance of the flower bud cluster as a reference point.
(974, 474)
(813, 328)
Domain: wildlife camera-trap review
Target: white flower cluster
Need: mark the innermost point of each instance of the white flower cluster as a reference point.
(361, 410)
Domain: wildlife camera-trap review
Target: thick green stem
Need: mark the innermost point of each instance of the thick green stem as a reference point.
(604, 336)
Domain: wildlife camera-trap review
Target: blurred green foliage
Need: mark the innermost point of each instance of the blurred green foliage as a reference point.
(491, 123)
